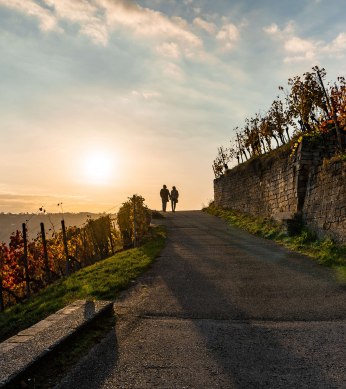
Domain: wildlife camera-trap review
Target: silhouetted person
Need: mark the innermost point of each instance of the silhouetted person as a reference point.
(174, 197)
(164, 193)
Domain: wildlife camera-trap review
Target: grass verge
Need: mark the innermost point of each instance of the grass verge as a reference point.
(324, 251)
(100, 281)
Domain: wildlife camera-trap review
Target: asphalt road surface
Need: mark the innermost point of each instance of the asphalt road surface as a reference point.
(223, 309)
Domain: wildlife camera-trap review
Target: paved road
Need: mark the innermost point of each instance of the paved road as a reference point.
(223, 309)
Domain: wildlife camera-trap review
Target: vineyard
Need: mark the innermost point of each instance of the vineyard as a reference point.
(309, 109)
(27, 266)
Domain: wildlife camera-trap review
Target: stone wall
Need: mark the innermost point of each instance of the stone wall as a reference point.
(324, 209)
(280, 186)
(264, 186)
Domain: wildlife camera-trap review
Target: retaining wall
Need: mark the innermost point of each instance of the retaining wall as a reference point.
(281, 186)
(324, 209)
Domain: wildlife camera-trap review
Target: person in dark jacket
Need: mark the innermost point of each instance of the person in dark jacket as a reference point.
(174, 197)
(165, 196)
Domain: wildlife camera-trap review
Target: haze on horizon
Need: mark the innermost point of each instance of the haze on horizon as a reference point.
(103, 99)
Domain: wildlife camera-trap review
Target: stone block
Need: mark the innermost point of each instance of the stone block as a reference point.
(19, 352)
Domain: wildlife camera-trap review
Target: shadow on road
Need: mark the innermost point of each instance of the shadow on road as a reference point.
(252, 348)
(94, 369)
(265, 316)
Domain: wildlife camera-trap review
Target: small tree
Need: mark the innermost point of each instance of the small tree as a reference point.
(220, 163)
(307, 99)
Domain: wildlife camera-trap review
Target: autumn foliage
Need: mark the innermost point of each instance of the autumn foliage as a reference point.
(25, 268)
(309, 108)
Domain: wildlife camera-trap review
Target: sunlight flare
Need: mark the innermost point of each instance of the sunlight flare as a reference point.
(99, 167)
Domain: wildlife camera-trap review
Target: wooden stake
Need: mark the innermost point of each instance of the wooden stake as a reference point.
(25, 259)
(1, 297)
(45, 252)
(68, 267)
(134, 222)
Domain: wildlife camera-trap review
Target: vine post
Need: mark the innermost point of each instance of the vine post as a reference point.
(45, 252)
(25, 259)
(134, 221)
(1, 297)
(111, 240)
(68, 267)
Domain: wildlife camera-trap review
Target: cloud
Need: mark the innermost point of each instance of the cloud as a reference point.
(309, 56)
(296, 49)
(173, 71)
(228, 36)
(97, 19)
(145, 22)
(204, 25)
(298, 45)
(172, 35)
(146, 95)
(47, 21)
(77, 10)
(85, 14)
(98, 33)
(74, 11)
(338, 45)
(273, 29)
(300, 50)
(169, 49)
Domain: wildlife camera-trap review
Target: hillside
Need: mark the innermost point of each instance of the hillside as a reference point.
(10, 222)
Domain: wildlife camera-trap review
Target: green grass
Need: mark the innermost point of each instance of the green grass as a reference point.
(324, 251)
(101, 281)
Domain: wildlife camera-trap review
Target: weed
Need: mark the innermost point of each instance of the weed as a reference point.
(324, 251)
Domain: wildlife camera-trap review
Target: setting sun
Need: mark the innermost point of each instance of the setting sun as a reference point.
(99, 167)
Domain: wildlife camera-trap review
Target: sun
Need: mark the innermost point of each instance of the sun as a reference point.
(99, 167)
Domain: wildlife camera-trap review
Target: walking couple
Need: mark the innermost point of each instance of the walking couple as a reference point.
(166, 195)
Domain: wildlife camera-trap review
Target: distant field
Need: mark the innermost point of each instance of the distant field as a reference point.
(9, 223)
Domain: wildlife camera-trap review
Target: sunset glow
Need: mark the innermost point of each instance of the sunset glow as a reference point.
(104, 99)
(99, 168)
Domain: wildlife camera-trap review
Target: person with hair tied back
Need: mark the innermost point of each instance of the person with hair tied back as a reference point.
(174, 197)
(164, 194)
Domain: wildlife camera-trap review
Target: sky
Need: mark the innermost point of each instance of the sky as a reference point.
(103, 99)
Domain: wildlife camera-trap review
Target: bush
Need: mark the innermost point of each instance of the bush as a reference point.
(133, 221)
